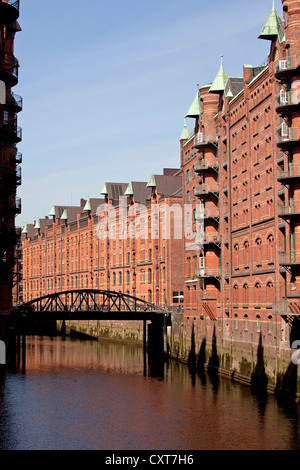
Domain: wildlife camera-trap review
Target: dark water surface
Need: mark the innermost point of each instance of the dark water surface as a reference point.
(90, 395)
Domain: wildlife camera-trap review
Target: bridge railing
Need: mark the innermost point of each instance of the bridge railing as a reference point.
(90, 300)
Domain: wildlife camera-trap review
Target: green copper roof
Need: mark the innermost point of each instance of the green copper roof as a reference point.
(272, 25)
(87, 207)
(25, 229)
(220, 81)
(52, 212)
(129, 190)
(185, 132)
(151, 182)
(37, 224)
(195, 108)
(104, 189)
(64, 215)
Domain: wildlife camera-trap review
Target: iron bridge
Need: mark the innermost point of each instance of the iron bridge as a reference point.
(90, 304)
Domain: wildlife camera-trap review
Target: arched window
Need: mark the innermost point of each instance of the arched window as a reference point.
(150, 295)
(235, 294)
(270, 292)
(236, 256)
(258, 251)
(114, 279)
(245, 293)
(258, 292)
(120, 278)
(246, 254)
(127, 277)
(270, 241)
(149, 276)
(246, 322)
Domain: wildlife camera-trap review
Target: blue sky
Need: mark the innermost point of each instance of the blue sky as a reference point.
(106, 85)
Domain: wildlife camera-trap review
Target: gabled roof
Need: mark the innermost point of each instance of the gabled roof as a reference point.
(272, 26)
(166, 186)
(114, 190)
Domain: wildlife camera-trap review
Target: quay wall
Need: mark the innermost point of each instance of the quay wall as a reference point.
(261, 363)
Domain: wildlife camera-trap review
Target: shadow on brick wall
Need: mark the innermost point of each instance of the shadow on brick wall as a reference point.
(259, 378)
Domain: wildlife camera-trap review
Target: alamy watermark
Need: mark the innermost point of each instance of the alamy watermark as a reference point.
(2, 353)
(2, 92)
(158, 221)
(296, 354)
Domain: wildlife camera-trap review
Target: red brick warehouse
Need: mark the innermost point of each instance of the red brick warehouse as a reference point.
(242, 166)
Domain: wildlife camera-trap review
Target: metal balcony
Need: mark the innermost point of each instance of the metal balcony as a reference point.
(9, 70)
(284, 68)
(286, 101)
(206, 189)
(211, 213)
(289, 211)
(209, 272)
(9, 130)
(289, 173)
(287, 136)
(289, 258)
(203, 140)
(208, 164)
(9, 11)
(15, 104)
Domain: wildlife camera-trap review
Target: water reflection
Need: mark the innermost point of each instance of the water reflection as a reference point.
(93, 395)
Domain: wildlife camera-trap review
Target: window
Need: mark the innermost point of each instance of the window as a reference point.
(270, 242)
(235, 294)
(188, 176)
(258, 292)
(246, 322)
(127, 277)
(258, 251)
(149, 276)
(246, 294)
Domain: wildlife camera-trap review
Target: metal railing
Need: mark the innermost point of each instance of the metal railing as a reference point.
(292, 208)
(290, 63)
(286, 133)
(289, 171)
(289, 257)
(206, 164)
(17, 100)
(11, 65)
(206, 189)
(202, 139)
(211, 238)
(286, 98)
(208, 272)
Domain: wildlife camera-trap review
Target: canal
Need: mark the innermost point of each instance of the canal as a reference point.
(91, 395)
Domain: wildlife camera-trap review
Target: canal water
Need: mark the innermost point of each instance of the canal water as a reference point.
(90, 395)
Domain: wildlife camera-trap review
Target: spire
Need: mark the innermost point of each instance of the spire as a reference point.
(219, 83)
(272, 25)
(87, 207)
(25, 230)
(151, 182)
(104, 189)
(129, 190)
(195, 108)
(52, 212)
(38, 224)
(185, 133)
(64, 215)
